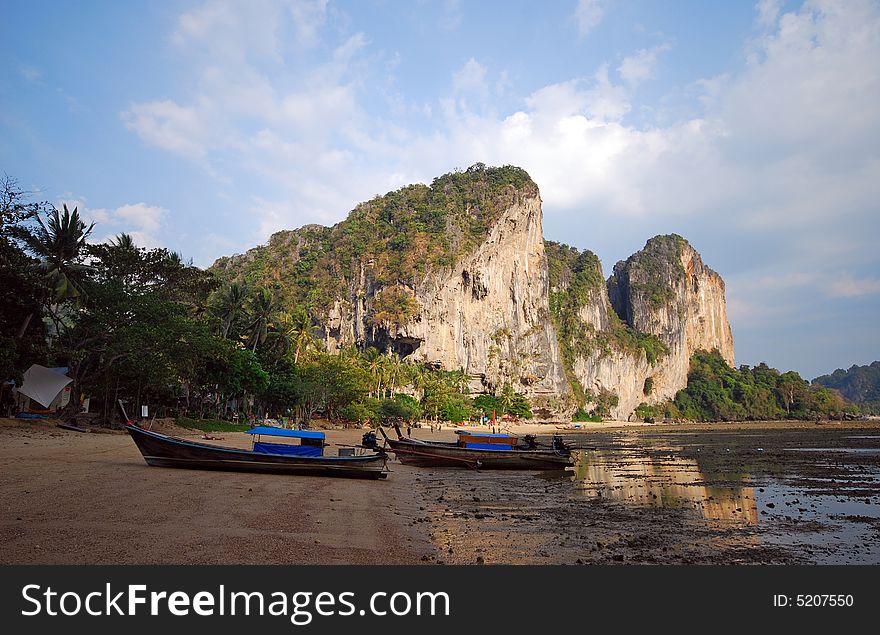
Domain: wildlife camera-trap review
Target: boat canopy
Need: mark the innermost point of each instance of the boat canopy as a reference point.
(282, 432)
(485, 434)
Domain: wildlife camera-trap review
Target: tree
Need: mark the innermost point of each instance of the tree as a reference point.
(230, 306)
(21, 290)
(330, 382)
(395, 369)
(717, 392)
(457, 408)
(262, 309)
(417, 377)
(375, 364)
(506, 398)
(363, 411)
(790, 387)
(59, 245)
(400, 407)
(296, 332)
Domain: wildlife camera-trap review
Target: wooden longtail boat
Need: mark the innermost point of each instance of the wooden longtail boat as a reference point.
(273, 458)
(481, 451)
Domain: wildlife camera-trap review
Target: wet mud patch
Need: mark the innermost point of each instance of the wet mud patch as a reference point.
(770, 494)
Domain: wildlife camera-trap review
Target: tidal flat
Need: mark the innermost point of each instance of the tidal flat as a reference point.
(753, 493)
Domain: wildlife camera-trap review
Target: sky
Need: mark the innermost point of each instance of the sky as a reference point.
(751, 129)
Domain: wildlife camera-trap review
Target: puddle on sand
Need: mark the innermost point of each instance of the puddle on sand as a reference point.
(814, 524)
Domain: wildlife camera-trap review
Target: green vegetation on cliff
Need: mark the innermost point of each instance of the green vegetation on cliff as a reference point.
(649, 274)
(574, 277)
(718, 392)
(391, 240)
(576, 282)
(859, 384)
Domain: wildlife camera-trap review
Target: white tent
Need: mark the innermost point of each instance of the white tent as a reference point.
(43, 384)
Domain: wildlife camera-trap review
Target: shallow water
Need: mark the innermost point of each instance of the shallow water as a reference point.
(822, 503)
(669, 481)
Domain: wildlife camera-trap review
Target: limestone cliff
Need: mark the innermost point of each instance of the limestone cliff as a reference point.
(487, 314)
(456, 274)
(452, 275)
(630, 341)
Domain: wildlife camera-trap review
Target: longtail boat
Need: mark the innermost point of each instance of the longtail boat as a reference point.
(305, 458)
(482, 451)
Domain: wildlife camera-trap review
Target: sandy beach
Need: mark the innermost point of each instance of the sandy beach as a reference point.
(74, 498)
(784, 492)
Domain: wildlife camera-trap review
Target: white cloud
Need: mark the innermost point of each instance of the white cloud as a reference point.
(768, 11)
(165, 124)
(849, 287)
(147, 219)
(144, 223)
(30, 73)
(470, 87)
(451, 18)
(640, 66)
(470, 78)
(225, 31)
(309, 16)
(588, 14)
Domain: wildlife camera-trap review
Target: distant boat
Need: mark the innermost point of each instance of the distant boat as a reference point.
(306, 458)
(482, 451)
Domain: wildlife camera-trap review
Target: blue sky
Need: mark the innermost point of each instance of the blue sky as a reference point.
(752, 129)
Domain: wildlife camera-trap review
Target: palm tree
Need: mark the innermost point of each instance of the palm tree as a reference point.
(59, 246)
(375, 365)
(59, 243)
(297, 332)
(124, 242)
(262, 310)
(395, 369)
(506, 398)
(458, 379)
(230, 306)
(417, 376)
(305, 334)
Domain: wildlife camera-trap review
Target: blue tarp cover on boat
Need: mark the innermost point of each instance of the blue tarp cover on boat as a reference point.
(291, 450)
(488, 446)
(281, 432)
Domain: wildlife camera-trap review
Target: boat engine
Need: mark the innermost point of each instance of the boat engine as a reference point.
(369, 440)
(530, 441)
(559, 445)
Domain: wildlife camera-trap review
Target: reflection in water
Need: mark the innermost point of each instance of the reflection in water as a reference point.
(666, 481)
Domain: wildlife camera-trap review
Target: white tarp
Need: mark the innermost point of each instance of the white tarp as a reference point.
(43, 384)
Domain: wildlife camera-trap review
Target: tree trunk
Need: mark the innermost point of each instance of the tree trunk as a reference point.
(24, 325)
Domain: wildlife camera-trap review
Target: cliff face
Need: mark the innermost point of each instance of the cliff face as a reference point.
(487, 314)
(634, 337)
(457, 275)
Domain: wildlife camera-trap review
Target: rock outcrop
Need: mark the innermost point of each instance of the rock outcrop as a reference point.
(457, 275)
(488, 314)
(631, 340)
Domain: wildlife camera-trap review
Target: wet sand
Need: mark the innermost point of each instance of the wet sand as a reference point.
(722, 493)
(765, 493)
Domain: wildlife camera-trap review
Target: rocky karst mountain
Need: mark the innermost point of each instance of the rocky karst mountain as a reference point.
(629, 339)
(457, 274)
